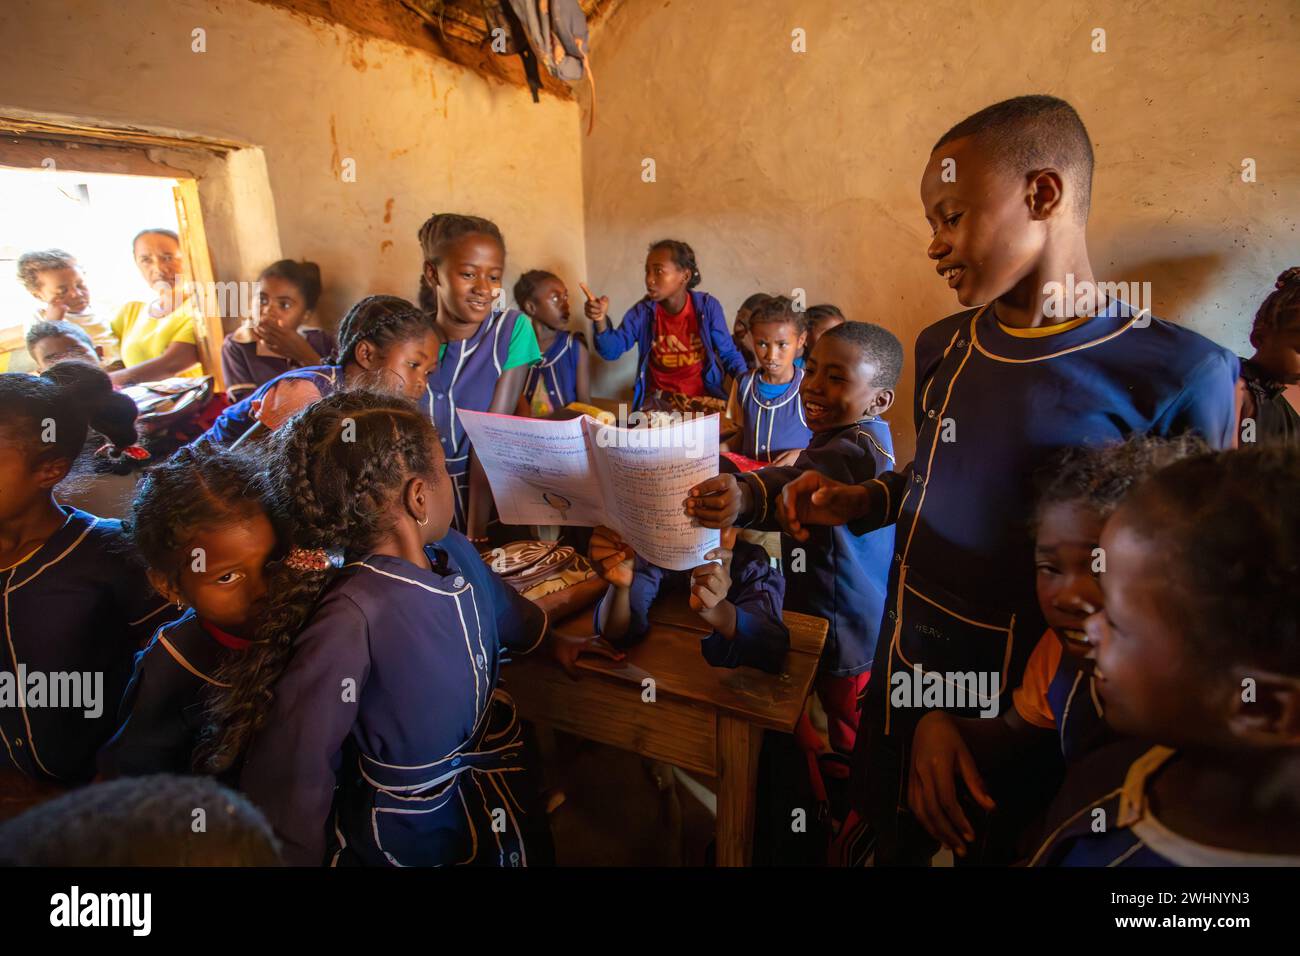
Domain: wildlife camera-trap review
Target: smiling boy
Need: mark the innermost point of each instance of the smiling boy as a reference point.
(847, 385)
(999, 389)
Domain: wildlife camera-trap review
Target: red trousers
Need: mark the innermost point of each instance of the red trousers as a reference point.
(839, 697)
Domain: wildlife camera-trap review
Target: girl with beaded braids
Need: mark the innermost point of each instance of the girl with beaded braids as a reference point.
(385, 343)
(376, 669)
(200, 522)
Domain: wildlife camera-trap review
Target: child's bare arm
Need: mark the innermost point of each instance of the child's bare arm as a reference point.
(613, 560)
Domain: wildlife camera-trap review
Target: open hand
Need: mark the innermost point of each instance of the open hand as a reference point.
(939, 754)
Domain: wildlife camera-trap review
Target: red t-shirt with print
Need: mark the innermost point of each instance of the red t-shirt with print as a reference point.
(677, 352)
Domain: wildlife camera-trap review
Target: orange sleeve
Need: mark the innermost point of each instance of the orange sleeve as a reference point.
(1030, 698)
(283, 400)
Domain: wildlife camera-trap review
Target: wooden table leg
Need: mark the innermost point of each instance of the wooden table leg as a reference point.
(738, 743)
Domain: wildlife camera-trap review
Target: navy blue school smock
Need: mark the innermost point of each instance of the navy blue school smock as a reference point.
(761, 639)
(771, 427)
(721, 357)
(1116, 780)
(992, 406)
(389, 741)
(80, 604)
(162, 710)
(557, 371)
(835, 574)
(466, 378)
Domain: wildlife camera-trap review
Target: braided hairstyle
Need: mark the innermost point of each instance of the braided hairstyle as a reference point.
(438, 232)
(201, 486)
(335, 471)
(1281, 310)
(53, 413)
(1227, 528)
(383, 321)
(683, 255)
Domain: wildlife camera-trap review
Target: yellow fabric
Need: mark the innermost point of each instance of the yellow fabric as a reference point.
(1030, 698)
(23, 559)
(144, 338)
(1043, 331)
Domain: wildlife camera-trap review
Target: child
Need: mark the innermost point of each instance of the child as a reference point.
(821, 319)
(52, 342)
(740, 328)
(998, 389)
(487, 355)
(1197, 658)
(1271, 377)
(143, 821)
(683, 346)
(287, 293)
(736, 592)
(563, 375)
(384, 342)
(204, 502)
(76, 605)
(1058, 698)
(834, 574)
(765, 402)
(379, 677)
(54, 279)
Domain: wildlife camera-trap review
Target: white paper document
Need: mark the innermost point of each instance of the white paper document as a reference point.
(580, 472)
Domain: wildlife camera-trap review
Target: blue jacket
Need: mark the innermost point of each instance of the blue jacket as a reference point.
(637, 328)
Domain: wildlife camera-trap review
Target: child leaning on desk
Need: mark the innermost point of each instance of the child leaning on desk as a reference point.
(736, 591)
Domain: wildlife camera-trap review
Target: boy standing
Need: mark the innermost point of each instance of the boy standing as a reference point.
(999, 389)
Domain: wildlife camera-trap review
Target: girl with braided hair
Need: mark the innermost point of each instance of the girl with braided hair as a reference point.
(488, 350)
(1270, 379)
(385, 343)
(201, 523)
(376, 669)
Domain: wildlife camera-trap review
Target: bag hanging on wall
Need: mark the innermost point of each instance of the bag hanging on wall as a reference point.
(557, 32)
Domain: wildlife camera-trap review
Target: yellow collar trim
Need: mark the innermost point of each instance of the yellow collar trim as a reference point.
(1042, 331)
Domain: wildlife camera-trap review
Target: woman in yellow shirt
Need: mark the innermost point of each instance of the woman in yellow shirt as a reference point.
(157, 338)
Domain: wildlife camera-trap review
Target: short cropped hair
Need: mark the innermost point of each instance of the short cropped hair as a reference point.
(1033, 132)
(142, 821)
(46, 330)
(877, 345)
(32, 264)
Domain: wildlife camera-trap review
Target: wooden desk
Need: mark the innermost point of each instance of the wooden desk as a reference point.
(704, 719)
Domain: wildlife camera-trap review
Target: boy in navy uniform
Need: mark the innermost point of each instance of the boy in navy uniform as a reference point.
(1000, 388)
(834, 574)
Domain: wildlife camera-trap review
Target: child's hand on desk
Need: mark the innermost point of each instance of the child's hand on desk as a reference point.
(812, 498)
(939, 754)
(711, 582)
(718, 502)
(611, 556)
(566, 649)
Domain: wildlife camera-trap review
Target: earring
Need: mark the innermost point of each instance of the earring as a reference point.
(422, 523)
